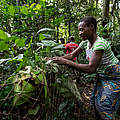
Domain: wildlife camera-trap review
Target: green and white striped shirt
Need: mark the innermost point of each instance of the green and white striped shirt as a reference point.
(108, 57)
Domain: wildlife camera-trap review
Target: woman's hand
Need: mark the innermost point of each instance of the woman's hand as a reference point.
(48, 58)
(59, 60)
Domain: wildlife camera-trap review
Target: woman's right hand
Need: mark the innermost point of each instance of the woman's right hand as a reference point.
(48, 58)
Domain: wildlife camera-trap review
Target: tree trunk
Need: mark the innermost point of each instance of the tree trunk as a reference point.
(105, 16)
(69, 27)
(113, 7)
(96, 3)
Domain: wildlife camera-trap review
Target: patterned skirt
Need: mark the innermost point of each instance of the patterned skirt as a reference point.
(106, 93)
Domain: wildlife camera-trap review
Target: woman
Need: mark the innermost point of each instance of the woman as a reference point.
(105, 96)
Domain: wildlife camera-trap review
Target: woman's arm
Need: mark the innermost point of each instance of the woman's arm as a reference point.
(88, 68)
(70, 56)
(75, 53)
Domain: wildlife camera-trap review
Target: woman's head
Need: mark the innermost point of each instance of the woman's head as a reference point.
(89, 20)
(87, 27)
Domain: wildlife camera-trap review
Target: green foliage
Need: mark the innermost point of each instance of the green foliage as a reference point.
(34, 111)
(3, 35)
(23, 91)
(29, 31)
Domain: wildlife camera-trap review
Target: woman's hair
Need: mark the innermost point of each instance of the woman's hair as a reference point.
(89, 20)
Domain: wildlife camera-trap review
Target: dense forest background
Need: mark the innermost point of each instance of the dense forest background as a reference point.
(30, 30)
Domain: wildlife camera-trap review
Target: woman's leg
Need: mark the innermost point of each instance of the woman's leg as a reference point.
(97, 115)
(107, 100)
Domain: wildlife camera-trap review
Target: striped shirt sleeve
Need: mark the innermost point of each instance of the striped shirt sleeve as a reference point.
(83, 44)
(101, 45)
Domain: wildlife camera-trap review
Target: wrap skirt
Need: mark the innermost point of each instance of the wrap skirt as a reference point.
(106, 93)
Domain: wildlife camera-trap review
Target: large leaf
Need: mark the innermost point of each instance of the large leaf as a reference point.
(11, 10)
(46, 29)
(58, 47)
(23, 90)
(3, 35)
(11, 60)
(47, 35)
(49, 43)
(4, 46)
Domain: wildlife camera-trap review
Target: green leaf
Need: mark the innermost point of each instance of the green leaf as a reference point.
(11, 10)
(47, 35)
(23, 91)
(23, 87)
(24, 10)
(34, 111)
(3, 35)
(38, 6)
(20, 42)
(57, 21)
(42, 3)
(40, 77)
(32, 5)
(46, 29)
(41, 37)
(49, 43)
(4, 46)
(18, 100)
(37, 72)
(58, 47)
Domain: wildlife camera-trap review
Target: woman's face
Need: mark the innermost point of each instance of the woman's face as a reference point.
(85, 32)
